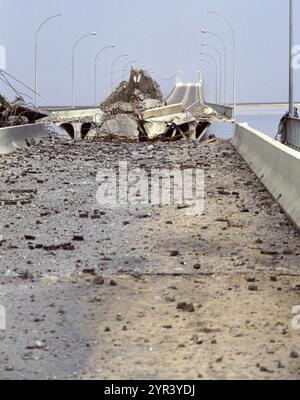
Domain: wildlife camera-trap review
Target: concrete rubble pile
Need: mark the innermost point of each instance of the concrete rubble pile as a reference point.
(139, 88)
(17, 113)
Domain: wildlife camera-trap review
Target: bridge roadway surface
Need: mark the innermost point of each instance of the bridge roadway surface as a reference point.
(58, 243)
(187, 94)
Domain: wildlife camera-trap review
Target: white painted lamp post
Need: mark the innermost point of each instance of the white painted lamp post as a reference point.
(73, 58)
(36, 56)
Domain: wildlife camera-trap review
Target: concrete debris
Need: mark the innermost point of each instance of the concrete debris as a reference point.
(122, 125)
(123, 109)
(150, 103)
(17, 113)
(139, 88)
(171, 126)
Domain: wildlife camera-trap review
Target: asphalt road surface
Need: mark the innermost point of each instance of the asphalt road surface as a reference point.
(187, 94)
(143, 292)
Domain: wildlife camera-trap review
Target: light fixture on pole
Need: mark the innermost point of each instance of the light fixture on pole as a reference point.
(216, 71)
(205, 31)
(233, 55)
(220, 62)
(36, 56)
(73, 57)
(112, 69)
(95, 72)
(208, 69)
(291, 70)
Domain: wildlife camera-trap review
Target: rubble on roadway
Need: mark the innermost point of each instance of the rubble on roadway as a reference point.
(17, 113)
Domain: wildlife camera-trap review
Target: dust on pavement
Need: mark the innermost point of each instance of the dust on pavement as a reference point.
(143, 292)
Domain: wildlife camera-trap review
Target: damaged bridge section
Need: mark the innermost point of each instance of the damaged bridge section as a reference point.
(136, 111)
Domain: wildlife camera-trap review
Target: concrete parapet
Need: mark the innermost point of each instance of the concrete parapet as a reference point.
(224, 110)
(275, 164)
(16, 137)
(293, 132)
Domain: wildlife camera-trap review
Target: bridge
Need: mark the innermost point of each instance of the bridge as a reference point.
(186, 94)
(191, 96)
(264, 155)
(193, 293)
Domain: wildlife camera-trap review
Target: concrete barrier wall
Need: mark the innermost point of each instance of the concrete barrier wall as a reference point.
(15, 137)
(224, 110)
(293, 132)
(276, 165)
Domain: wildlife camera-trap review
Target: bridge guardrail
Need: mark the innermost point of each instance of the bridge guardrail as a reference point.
(275, 164)
(293, 132)
(224, 110)
(12, 138)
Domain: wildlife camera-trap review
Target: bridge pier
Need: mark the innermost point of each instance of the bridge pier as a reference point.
(76, 130)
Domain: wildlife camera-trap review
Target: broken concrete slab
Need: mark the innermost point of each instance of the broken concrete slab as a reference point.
(149, 104)
(120, 107)
(164, 111)
(183, 124)
(121, 125)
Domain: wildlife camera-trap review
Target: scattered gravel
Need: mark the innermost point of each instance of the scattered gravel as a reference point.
(178, 283)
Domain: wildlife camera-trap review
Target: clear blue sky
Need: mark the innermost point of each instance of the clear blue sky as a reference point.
(164, 35)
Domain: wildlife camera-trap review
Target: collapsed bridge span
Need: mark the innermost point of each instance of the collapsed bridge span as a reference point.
(136, 111)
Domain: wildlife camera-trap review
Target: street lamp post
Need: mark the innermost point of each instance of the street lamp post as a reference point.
(73, 57)
(199, 76)
(216, 70)
(220, 62)
(291, 71)
(112, 69)
(225, 63)
(36, 56)
(233, 55)
(95, 72)
(215, 75)
(213, 83)
(211, 77)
